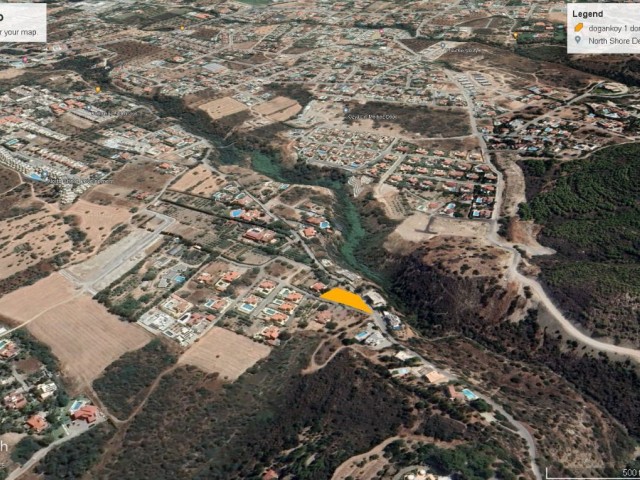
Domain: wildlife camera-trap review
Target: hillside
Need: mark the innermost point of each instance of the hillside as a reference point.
(443, 302)
(590, 214)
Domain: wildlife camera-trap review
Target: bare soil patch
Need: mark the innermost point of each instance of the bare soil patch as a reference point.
(141, 176)
(223, 107)
(27, 302)
(224, 352)
(279, 108)
(199, 181)
(459, 228)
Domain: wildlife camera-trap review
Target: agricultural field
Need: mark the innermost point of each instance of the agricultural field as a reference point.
(224, 352)
(86, 338)
(199, 181)
(279, 109)
(28, 302)
(223, 107)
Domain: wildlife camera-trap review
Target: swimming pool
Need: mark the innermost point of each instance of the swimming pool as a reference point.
(35, 176)
(469, 394)
(362, 335)
(179, 279)
(236, 213)
(208, 303)
(247, 307)
(75, 405)
(269, 311)
(324, 225)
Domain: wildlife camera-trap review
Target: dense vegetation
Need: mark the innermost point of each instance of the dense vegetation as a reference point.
(25, 448)
(591, 217)
(38, 350)
(125, 382)
(470, 461)
(621, 69)
(433, 298)
(237, 430)
(75, 457)
(33, 273)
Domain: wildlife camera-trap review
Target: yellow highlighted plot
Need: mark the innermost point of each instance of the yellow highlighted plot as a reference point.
(349, 299)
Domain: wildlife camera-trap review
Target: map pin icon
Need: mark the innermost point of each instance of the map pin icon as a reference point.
(578, 38)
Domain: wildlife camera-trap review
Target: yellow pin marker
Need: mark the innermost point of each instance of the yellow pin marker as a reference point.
(579, 27)
(515, 35)
(98, 89)
(181, 27)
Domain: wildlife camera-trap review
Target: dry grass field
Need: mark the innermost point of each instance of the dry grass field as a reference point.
(223, 107)
(279, 108)
(98, 220)
(199, 181)
(142, 176)
(286, 114)
(224, 352)
(24, 304)
(86, 338)
(27, 240)
(24, 241)
(81, 333)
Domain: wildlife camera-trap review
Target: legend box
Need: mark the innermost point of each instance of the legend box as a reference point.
(596, 28)
(23, 22)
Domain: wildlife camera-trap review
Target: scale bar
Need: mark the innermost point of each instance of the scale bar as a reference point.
(547, 477)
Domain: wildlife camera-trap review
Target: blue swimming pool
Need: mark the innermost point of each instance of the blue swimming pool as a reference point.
(247, 307)
(35, 176)
(362, 335)
(179, 279)
(469, 394)
(75, 405)
(236, 213)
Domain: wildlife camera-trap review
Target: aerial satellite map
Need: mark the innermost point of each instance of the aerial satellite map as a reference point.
(319, 240)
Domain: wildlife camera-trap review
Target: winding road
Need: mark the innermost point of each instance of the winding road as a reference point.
(567, 326)
(520, 428)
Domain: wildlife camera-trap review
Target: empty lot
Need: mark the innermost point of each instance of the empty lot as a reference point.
(81, 333)
(223, 107)
(224, 352)
(22, 305)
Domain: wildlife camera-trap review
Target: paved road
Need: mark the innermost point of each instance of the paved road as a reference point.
(40, 454)
(91, 284)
